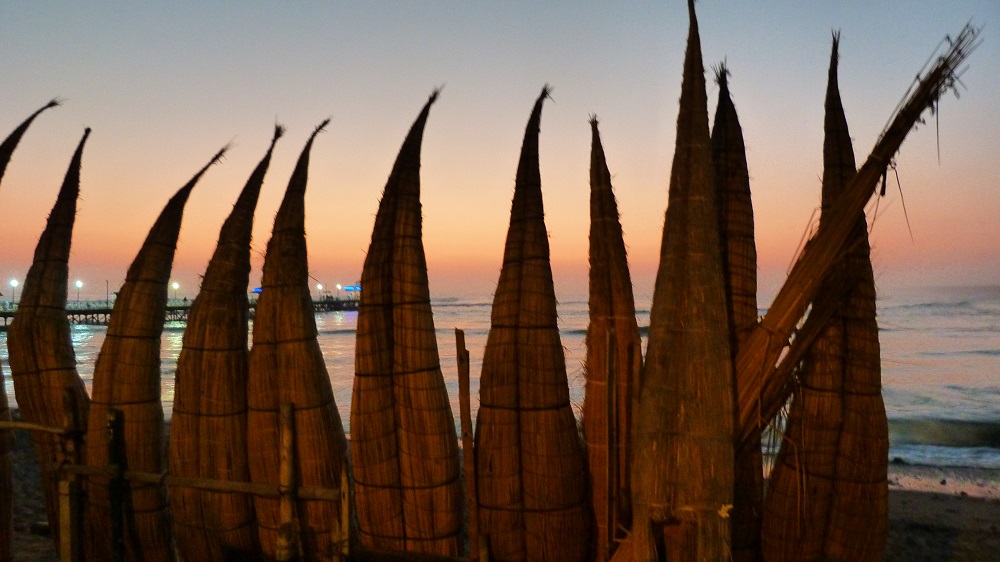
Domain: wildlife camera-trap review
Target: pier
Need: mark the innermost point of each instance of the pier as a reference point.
(99, 313)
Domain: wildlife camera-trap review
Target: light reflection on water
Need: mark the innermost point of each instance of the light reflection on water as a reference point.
(940, 361)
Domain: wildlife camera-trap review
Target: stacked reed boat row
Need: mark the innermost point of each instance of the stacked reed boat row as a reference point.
(667, 463)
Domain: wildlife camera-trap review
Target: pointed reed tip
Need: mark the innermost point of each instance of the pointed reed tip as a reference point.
(220, 154)
(279, 130)
(434, 94)
(320, 128)
(722, 75)
(546, 93)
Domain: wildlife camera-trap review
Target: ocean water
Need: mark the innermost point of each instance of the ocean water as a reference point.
(940, 364)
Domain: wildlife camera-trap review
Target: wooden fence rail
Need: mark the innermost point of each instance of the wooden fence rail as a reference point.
(70, 493)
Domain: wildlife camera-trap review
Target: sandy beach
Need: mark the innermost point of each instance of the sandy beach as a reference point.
(935, 514)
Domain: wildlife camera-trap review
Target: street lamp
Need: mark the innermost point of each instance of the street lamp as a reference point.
(78, 285)
(13, 294)
(176, 286)
(339, 287)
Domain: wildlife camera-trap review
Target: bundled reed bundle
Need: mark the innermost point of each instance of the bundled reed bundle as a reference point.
(739, 261)
(10, 143)
(403, 441)
(683, 478)
(42, 361)
(286, 366)
(613, 362)
(828, 490)
(529, 457)
(6, 477)
(209, 423)
(127, 379)
(760, 392)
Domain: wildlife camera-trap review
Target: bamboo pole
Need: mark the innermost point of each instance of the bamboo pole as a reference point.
(116, 485)
(70, 514)
(468, 453)
(6, 474)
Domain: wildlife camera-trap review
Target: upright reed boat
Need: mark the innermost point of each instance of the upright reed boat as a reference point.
(403, 441)
(530, 463)
(127, 379)
(208, 431)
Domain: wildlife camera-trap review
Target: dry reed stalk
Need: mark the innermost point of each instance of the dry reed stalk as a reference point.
(42, 361)
(6, 477)
(404, 447)
(828, 492)
(613, 361)
(127, 379)
(287, 366)
(683, 479)
(732, 185)
(529, 456)
(10, 143)
(757, 363)
(209, 423)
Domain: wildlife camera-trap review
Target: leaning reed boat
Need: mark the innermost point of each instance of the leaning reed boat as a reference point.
(828, 490)
(739, 261)
(683, 477)
(404, 448)
(42, 361)
(613, 361)
(127, 379)
(762, 385)
(287, 367)
(530, 463)
(208, 431)
(10, 143)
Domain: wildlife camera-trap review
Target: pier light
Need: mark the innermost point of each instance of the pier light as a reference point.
(339, 287)
(175, 286)
(13, 287)
(78, 285)
(319, 287)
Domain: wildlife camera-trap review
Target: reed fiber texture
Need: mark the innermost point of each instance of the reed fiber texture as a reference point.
(6, 477)
(828, 492)
(286, 366)
(208, 433)
(612, 364)
(739, 259)
(127, 379)
(760, 392)
(404, 446)
(10, 143)
(529, 456)
(683, 479)
(42, 361)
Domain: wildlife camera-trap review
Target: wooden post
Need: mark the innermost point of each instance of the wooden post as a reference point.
(345, 514)
(287, 545)
(117, 484)
(69, 486)
(468, 454)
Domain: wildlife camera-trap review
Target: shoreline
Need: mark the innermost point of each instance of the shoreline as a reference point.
(935, 513)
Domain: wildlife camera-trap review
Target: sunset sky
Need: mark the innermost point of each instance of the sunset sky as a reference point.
(166, 84)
